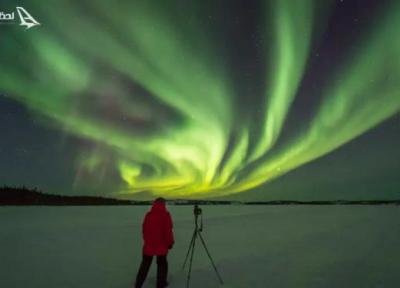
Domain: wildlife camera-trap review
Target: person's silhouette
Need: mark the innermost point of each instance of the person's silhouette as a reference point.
(158, 238)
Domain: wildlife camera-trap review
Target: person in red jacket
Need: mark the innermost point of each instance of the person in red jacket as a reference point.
(158, 238)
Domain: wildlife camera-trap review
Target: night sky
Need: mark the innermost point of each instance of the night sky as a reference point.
(248, 100)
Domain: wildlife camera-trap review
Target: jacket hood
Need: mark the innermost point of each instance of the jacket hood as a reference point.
(158, 206)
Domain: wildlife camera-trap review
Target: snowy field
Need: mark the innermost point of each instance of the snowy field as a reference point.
(253, 246)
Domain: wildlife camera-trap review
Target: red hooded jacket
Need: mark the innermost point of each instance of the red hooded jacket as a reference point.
(157, 230)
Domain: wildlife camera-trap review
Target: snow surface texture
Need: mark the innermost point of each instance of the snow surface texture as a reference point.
(253, 246)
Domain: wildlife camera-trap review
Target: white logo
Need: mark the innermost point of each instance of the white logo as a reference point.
(26, 19)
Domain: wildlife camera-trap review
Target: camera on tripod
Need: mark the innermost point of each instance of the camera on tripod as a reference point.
(197, 210)
(198, 229)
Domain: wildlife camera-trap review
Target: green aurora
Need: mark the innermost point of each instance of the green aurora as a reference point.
(155, 87)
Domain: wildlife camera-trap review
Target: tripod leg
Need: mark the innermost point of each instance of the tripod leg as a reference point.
(190, 247)
(191, 258)
(209, 256)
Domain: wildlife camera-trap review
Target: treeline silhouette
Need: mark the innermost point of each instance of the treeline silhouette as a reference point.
(25, 196)
(331, 202)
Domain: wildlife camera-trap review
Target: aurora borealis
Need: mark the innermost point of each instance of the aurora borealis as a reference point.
(204, 98)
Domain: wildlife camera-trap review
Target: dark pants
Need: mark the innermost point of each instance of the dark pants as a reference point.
(162, 270)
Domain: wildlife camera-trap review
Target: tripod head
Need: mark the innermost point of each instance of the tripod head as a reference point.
(197, 211)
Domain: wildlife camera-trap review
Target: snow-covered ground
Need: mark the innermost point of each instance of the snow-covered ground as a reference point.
(253, 246)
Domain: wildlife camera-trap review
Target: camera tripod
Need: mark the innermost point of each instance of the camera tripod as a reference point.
(197, 232)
